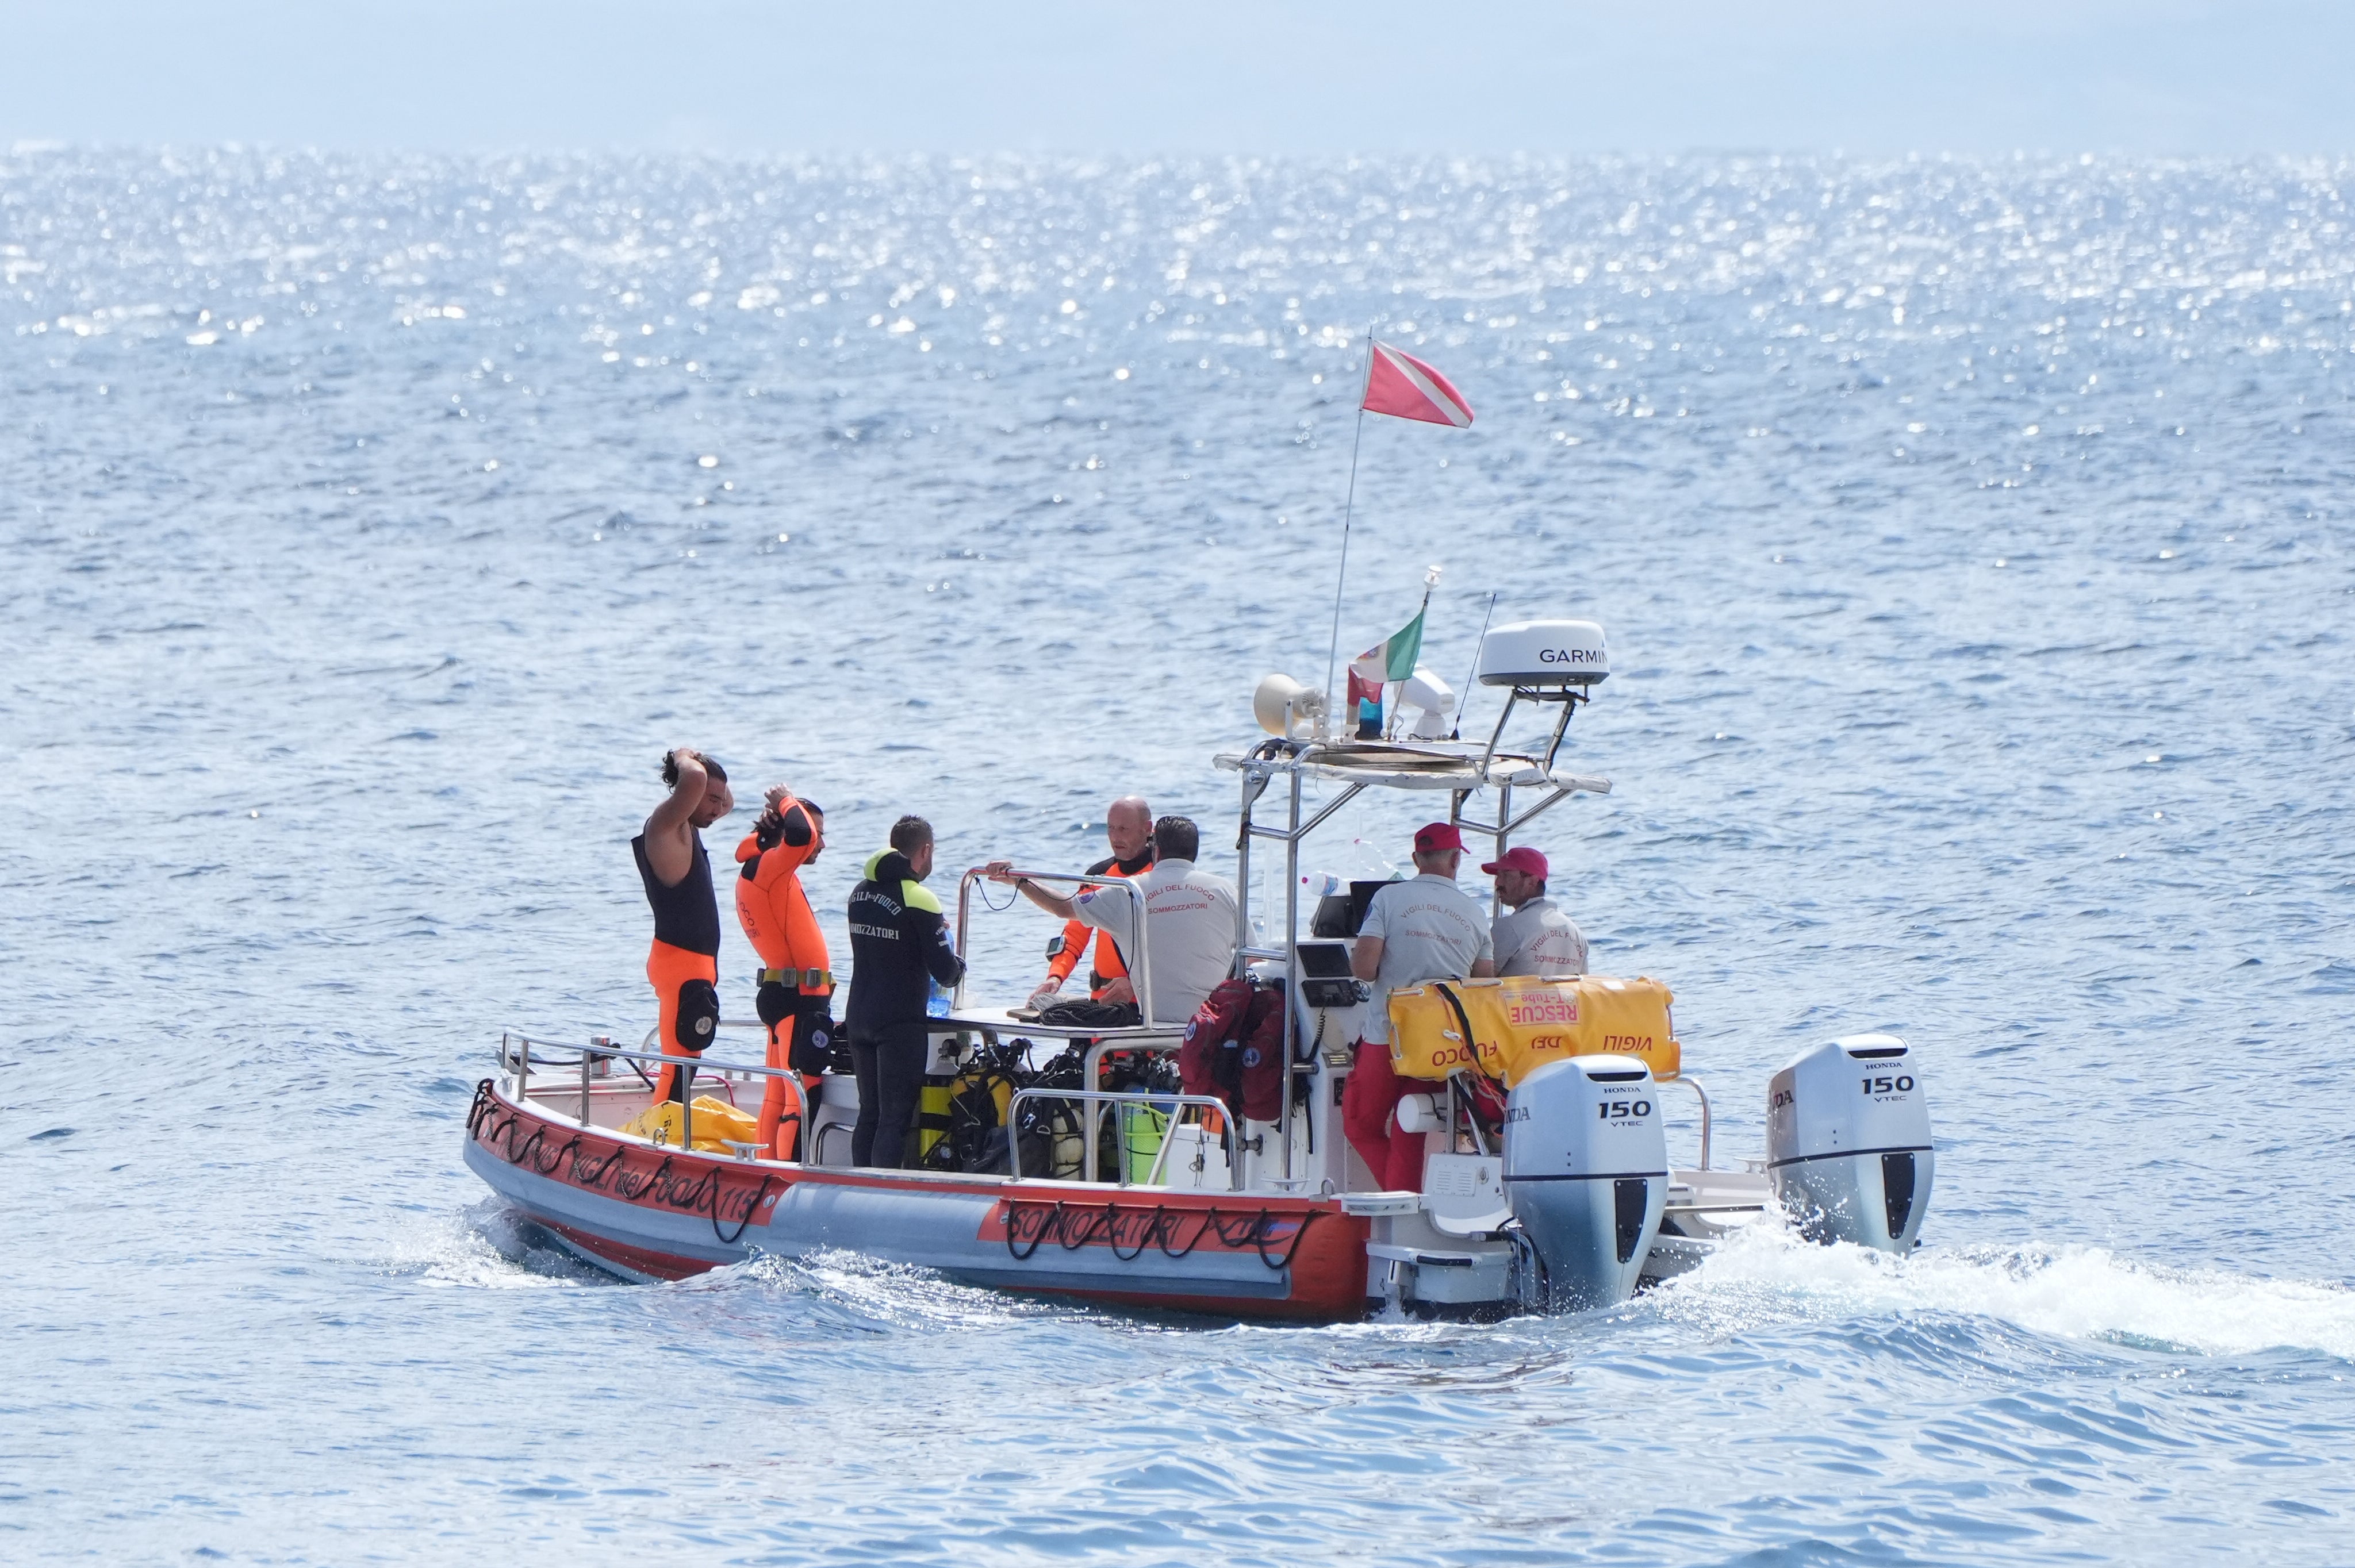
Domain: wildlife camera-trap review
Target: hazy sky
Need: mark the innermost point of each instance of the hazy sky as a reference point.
(2143, 76)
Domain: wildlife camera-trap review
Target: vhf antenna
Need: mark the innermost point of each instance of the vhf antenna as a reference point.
(1455, 730)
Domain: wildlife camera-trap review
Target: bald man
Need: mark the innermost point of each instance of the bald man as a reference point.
(1128, 829)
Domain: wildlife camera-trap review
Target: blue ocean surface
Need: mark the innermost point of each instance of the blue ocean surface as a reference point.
(1973, 544)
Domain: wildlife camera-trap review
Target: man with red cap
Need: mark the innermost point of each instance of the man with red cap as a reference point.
(1534, 938)
(1422, 930)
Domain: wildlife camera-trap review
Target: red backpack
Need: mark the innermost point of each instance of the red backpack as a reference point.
(1262, 1055)
(1209, 1034)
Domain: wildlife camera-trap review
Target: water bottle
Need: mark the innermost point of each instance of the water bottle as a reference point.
(936, 999)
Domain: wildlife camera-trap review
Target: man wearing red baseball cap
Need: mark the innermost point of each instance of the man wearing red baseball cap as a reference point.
(1422, 929)
(1535, 937)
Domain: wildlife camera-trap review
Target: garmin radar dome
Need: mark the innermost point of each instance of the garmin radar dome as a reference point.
(1539, 653)
(1540, 662)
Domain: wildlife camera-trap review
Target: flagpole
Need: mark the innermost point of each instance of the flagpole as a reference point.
(1348, 506)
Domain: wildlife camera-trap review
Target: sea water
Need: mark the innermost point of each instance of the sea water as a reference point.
(1973, 542)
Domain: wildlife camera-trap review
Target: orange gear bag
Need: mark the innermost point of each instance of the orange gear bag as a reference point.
(1510, 1028)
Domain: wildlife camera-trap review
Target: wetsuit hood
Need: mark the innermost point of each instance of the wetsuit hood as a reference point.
(888, 865)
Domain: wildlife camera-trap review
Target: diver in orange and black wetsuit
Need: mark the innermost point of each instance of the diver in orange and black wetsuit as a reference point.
(684, 966)
(796, 987)
(1128, 827)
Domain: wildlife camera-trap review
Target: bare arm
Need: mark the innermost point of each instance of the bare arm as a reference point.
(1483, 969)
(667, 830)
(1366, 958)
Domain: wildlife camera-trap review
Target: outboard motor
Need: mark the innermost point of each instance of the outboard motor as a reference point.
(1848, 1143)
(1586, 1169)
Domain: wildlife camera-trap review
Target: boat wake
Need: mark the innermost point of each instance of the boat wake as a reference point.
(868, 1293)
(1766, 1275)
(484, 1246)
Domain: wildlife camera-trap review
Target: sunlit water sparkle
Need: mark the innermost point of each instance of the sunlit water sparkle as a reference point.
(1972, 544)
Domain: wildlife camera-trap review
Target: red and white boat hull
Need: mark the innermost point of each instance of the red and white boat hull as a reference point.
(647, 1212)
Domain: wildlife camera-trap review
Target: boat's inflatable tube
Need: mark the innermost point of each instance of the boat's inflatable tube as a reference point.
(1510, 1028)
(648, 1211)
(1848, 1143)
(1586, 1169)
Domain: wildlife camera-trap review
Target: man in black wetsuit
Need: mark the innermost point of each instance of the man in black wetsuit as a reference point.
(899, 947)
(684, 965)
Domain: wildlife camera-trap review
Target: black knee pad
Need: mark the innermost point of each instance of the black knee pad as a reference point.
(699, 1015)
(814, 1042)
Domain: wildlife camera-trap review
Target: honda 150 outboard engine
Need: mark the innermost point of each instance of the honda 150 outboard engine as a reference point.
(1848, 1143)
(1586, 1169)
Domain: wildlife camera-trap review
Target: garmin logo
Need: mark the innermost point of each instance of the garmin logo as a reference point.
(1570, 656)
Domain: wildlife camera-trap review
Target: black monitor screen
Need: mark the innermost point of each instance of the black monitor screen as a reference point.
(1324, 960)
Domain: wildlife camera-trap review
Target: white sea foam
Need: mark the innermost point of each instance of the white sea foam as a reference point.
(479, 1249)
(892, 1294)
(2074, 1292)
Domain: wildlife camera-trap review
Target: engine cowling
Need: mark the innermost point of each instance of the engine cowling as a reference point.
(1848, 1143)
(1586, 1169)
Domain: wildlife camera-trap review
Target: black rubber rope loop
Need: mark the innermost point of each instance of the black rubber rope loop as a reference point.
(748, 1208)
(1087, 1229)
(1013, 1210)
(1144, 1241)
(622, 1189)
(1167, 1226)
(562, 1150)
(1279, 1265)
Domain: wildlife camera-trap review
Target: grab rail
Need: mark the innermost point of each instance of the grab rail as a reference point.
(1228, 1137)
(1694, 1085)
(520, 1062)
(1140, 972)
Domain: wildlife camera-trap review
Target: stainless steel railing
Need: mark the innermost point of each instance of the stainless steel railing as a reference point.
(1703, 1095)
(515, 1057)
(1140, 971)
(1228, 1137)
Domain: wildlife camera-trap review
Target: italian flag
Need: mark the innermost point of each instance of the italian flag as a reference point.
(1392, 659)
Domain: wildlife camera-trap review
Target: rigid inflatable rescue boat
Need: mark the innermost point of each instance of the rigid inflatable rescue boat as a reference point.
(1121, 1187)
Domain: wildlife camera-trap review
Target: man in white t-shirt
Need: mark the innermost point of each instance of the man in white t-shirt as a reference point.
(1425, 929)
(1190, 921)
(1532, 937)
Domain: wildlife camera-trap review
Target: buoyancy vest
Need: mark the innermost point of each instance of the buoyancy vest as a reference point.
(687, 913)
(1109, 965)
(771, 904)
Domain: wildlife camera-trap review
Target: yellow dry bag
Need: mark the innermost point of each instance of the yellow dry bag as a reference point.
(717, 1124)
(1510, 1028)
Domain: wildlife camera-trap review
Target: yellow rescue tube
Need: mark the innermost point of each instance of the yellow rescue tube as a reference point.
(1516, 1026)
(717, 1124)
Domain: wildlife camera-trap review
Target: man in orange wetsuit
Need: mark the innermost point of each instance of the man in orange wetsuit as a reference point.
(1128, 828)
(797, 986)
(684, 966)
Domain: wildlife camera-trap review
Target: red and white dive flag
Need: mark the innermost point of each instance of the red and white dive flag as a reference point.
(1399, 385)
